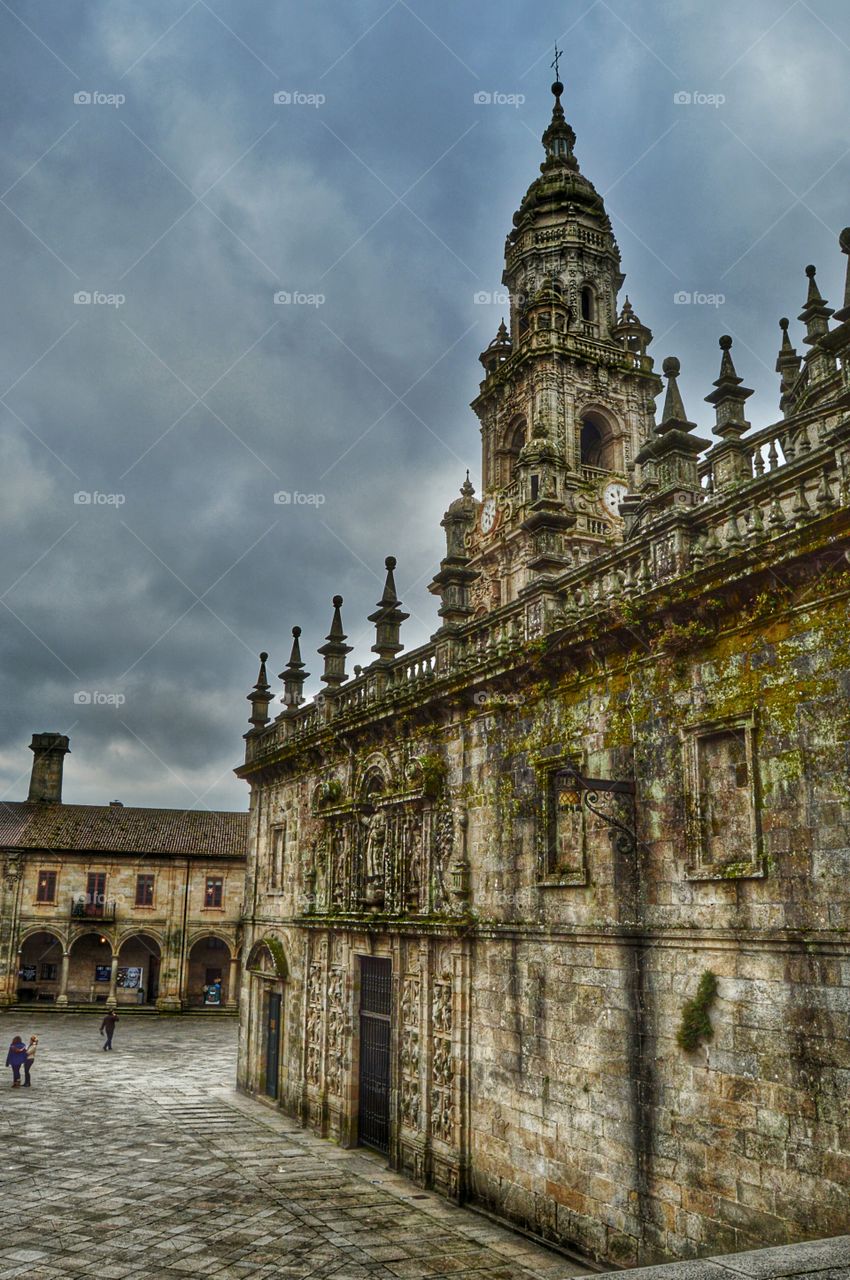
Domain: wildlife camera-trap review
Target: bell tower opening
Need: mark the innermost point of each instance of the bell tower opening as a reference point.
(598, 446)
(514, 442)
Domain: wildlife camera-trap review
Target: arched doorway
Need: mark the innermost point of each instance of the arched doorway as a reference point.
(40, 967)
(139, 961)
(89, 969)
(267, 971)
(208, 983)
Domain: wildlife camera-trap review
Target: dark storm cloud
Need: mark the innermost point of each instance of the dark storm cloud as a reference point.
(188, 404)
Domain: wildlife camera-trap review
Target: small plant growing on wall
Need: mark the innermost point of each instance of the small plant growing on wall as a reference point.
(695, 1026)
(331, 792)
(434, 770)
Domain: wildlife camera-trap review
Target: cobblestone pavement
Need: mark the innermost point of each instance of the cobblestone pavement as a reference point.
(146, 1163)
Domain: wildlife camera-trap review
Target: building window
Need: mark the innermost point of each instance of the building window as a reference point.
(587, 309)
(46, 890)
(214, 896)
(144, 890)
(278, 854)
(49, 972)
(563, 828)
(723, 832)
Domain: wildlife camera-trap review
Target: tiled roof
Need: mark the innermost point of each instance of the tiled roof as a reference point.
(115, 829)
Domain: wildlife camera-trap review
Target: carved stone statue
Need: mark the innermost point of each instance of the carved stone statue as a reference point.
(376, 838)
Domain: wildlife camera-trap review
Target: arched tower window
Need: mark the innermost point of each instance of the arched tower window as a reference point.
(598, 445)
(514, 440)
(588, 310)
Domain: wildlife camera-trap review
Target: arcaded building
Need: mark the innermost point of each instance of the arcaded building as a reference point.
(107, 904)
(554, 909)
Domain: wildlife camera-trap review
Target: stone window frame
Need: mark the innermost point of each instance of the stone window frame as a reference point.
(214, 889)
(46, 872)
(696, 868)
(146, 876)
(548, 878)
(277, 868)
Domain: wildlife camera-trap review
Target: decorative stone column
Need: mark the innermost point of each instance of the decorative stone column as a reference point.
(232, 984)
(62, 997)
(112, 998)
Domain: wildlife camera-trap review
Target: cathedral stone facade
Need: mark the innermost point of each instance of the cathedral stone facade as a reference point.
(554, 910)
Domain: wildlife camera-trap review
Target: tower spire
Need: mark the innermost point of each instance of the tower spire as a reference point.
(294, 675)
(260, 697)
(335, 650)
(388, 618)
(559, 139)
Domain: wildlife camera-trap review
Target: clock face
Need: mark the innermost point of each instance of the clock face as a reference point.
(612, 496)
(489, 513)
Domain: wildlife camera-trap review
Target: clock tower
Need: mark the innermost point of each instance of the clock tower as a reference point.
(568, 394)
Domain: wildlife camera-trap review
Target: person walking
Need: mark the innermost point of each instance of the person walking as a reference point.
(107, 1028)
(29, 1060)
(15, 1058)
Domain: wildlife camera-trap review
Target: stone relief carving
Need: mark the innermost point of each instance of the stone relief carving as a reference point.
(336, 1031)
(442, 1066)
(410, 1056)
(315, 1020)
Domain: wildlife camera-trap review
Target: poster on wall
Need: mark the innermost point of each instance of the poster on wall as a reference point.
(130, 977)
(102, 972)
(27, 972)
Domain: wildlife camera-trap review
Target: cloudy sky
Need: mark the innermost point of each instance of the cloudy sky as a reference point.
(145, 163)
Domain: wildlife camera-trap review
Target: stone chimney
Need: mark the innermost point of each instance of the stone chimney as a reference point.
(49, 750)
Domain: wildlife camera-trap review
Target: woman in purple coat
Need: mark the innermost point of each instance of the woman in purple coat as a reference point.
(15, 1058)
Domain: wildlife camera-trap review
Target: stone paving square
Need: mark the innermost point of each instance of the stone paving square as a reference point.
(146, 1163)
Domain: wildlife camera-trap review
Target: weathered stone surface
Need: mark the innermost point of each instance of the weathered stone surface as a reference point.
(594, 835)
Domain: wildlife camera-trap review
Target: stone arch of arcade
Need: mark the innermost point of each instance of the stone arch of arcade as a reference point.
(211, 970)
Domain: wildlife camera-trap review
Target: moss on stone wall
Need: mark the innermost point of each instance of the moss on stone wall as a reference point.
(695, 1026)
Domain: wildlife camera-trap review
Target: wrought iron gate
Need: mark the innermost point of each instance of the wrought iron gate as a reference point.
(375, 1007)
